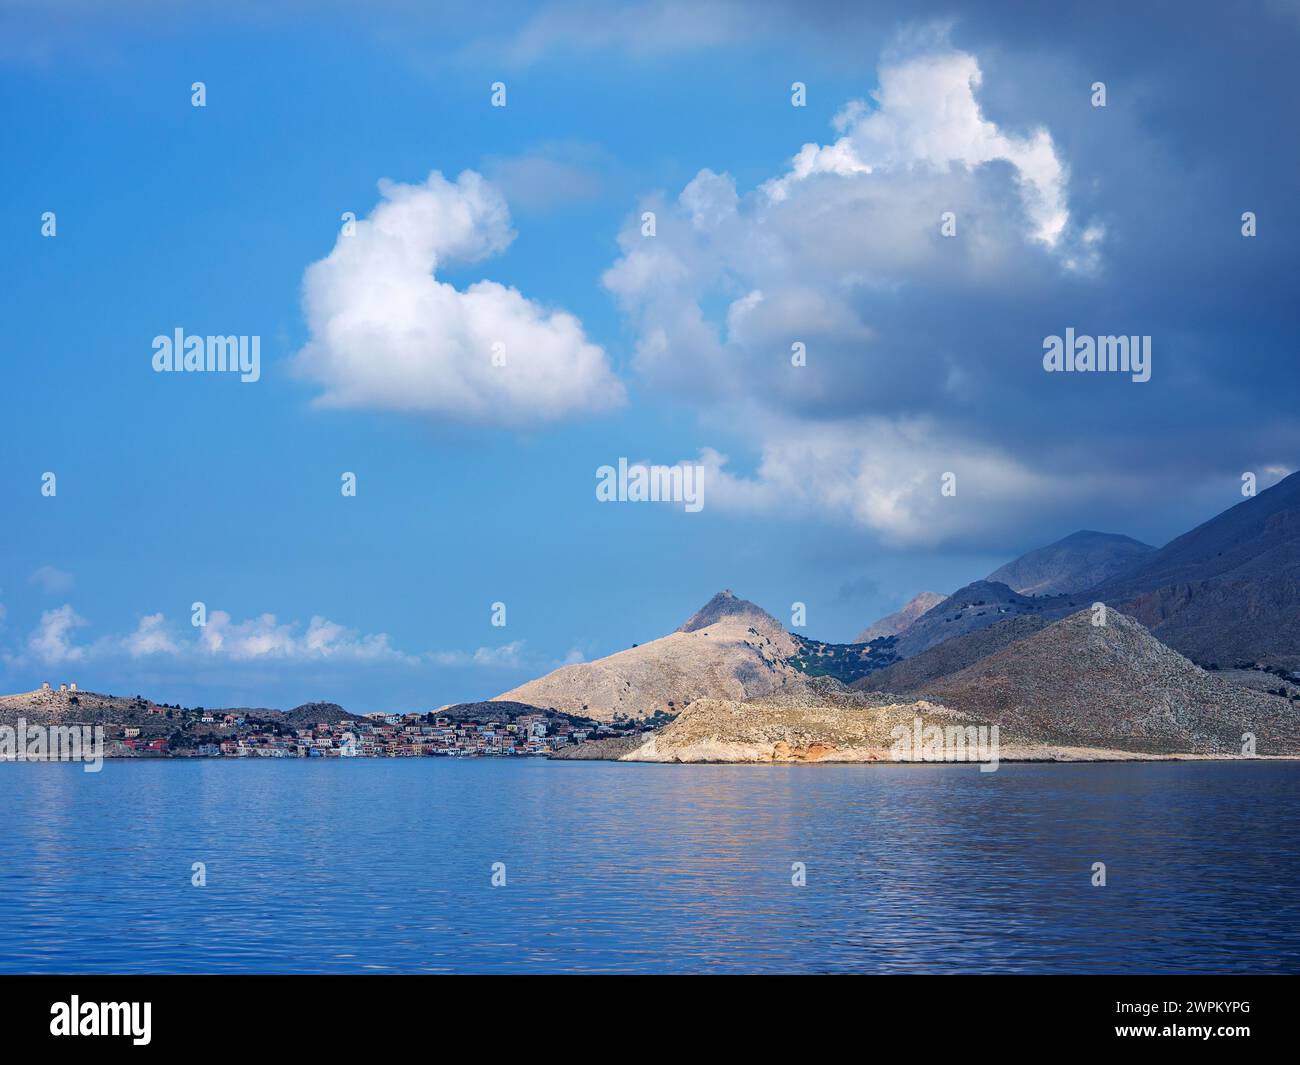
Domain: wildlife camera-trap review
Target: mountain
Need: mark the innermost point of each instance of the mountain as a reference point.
(728, 649)
(1045, 583)
(899, 620)
(915, 673)
(1115, 686)
(1229, 590)
(1225, 594)
(1082, 560)
(976, 606)
(1069, 692)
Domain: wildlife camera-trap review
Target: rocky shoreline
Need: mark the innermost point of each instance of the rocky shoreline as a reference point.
(646, 751)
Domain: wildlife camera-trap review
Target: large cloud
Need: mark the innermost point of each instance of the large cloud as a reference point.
(827, 252)
(387, 334)
(911, 336)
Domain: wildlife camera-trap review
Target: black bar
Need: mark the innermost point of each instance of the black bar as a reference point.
(330, 1013)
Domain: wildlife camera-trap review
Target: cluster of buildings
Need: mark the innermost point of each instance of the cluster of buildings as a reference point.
(386, 736)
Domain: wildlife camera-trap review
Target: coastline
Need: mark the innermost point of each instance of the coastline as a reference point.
(1059, 756)
(771, 754)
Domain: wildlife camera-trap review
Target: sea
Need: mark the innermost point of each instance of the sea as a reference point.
(517, 865)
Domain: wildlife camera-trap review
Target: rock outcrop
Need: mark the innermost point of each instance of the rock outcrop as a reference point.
(817, 727)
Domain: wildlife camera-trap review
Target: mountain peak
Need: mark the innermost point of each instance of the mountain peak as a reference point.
(1079, 561)
(727, 606)
(899, 620)
(668, 673)
(1092, 534)
(987, 587)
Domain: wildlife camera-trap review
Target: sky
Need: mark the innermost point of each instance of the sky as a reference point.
(459, 304)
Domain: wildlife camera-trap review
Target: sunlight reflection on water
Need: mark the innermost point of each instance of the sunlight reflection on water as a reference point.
(385, 865)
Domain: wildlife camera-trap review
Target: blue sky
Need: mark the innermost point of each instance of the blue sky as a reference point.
(924, 353)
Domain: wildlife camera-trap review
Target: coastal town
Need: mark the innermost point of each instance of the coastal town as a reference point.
(387, 736)
(135, 727)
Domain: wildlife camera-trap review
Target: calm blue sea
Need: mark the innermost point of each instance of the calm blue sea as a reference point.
(385, 866)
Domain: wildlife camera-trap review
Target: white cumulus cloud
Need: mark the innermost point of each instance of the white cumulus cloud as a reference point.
(52, 641)
(826, 252)
(151, 638)
(928, 118)
(265, 637)
(387, 334)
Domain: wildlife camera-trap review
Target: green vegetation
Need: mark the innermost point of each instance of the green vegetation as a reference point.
(845, 662)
